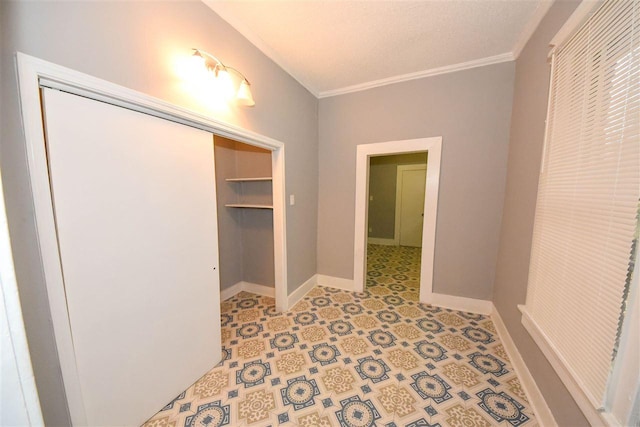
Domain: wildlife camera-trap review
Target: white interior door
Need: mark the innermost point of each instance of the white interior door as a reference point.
(135, 210)
(410, 193)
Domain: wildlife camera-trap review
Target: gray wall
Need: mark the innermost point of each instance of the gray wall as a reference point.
(134, 44)
(229, 231)
(256, 224)
(245, 236)
(383, 174)
(471, 110)
(257, 247)
(525, 152)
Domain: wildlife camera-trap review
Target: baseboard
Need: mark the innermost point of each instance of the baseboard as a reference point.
(229, 292)
(381, 241)
(302, 290)
(461, 303)
(335, 282)
(442, 300)
(540, 408)
(254, 288)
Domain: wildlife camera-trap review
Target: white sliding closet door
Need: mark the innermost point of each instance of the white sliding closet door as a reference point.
(135, 210)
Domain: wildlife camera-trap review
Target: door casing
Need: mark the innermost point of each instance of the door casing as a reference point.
(433, 146)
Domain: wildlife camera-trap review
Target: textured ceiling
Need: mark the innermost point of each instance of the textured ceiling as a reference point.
(336, 45)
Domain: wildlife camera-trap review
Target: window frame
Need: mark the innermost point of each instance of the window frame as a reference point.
(622, 394)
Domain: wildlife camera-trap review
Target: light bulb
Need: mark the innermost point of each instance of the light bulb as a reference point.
(198, 67)
(224, 83)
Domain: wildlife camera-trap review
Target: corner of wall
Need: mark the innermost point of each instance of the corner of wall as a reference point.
(526, 137)
(538, 403)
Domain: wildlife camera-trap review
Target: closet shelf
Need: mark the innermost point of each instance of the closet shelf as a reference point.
(248, 206)
(265, 178)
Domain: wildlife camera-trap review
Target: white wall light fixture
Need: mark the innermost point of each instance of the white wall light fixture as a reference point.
(215, 73)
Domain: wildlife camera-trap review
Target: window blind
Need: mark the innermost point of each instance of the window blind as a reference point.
(589, 187)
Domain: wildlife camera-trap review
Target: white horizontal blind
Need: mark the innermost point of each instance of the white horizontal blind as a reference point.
(589, 187)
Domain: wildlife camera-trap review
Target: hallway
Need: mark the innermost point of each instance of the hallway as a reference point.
(396, 268)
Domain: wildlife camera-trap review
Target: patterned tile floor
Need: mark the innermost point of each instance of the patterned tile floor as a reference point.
(390, 265)
(338, 358)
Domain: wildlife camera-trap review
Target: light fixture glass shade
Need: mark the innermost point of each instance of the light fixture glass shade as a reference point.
(244, 96)
(224, 84)
(214, 77)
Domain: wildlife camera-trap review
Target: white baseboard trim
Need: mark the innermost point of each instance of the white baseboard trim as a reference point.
(381, 241)
(229, 292)
(335, 282)
(461, 303)
(442, 300)
(540, 408)
(302, 290)
(254, 288)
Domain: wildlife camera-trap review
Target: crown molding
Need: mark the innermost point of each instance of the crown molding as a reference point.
(221, 10)
(504, 57)
(541, 10)
(531, 26)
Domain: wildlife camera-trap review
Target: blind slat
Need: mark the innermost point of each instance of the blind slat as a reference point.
(589, 189)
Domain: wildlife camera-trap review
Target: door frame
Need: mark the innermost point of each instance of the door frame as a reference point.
(400, 169)
(34, 73)
(433, 146)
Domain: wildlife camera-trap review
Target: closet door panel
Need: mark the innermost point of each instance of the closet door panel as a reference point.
(135, 209)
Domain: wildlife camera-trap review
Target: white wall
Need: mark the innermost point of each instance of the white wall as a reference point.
(13, 409)
(19, 403)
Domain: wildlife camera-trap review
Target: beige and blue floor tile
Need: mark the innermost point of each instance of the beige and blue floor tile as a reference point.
(337, 358)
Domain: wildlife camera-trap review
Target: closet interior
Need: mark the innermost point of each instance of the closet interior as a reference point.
(245, 216)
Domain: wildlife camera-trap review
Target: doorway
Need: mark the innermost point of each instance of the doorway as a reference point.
(366, 156)
(395, 223)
